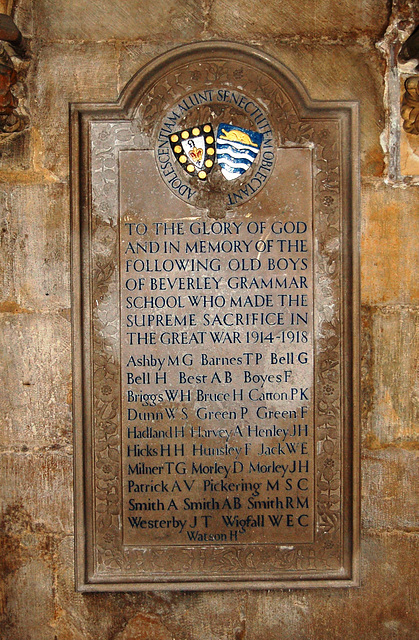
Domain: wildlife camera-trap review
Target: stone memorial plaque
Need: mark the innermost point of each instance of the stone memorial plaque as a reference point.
(215, 329)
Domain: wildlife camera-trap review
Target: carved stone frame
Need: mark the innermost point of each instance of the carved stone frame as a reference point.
(98, 132)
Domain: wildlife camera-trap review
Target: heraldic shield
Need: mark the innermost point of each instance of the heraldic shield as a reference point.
(194, 149)
(237, 149)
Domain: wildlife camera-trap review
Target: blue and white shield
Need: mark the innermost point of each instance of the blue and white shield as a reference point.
(237, 149)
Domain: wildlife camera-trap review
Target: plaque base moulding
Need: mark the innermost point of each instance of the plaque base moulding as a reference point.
(215, 329)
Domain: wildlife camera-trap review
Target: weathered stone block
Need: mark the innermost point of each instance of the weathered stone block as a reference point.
(35, 394)
(15, 154)
(22, 15)
(27, 571)
(29, 609)
(244, 19)
(35, 237)
(389, 256)
(214, 616)
(41, 483)
(388, 501)
(391, 383)
(106, 20)
(142, 627)
(85, 72)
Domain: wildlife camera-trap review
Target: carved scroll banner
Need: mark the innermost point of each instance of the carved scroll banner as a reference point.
(215, 329)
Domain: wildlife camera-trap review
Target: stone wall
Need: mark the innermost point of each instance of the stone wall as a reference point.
(86, 50)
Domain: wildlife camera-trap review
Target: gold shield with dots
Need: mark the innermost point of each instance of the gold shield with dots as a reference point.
(194, 149)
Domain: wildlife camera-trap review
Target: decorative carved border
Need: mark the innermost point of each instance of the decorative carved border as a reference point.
(323, 128)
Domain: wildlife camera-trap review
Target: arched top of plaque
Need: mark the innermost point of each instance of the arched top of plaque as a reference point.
(204, 65)
(215, 114)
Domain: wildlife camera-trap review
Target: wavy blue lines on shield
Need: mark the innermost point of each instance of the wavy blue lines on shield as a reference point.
(236, 149)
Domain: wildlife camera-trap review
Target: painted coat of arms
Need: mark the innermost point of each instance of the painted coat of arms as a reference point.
(215, 149)
(235, 149)
(194, 149)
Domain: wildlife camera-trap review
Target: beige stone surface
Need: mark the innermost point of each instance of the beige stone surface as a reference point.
(394, 368)
(143, 627)
(327, 18)
(41, 484)
(389, 249)
(106, 19)
(36, 243)
(30, 590)
(23, 16)
(388, 501)
(16, 153)
(133, 56)
(27, 585)
(35, 407)
(343, 72)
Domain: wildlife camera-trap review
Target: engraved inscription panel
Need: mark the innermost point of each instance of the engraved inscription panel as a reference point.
(215, 311)
(217, 362)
